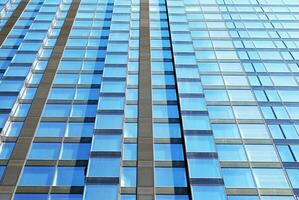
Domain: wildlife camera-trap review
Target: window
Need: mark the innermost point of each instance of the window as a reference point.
(204, 168)
(240, 95)
(253, 131)
(170, 177)
(285, 153)
(270, 178)
(168, 152)
(129, 151)
(247, 112)
(211, 80)
(113, 86)
(166, 130)
(66, 79)
(2, 169)
(14, 129)
(131, 111)
(22, 110)
(103, 167)
(162, 111)
(104, 121)
(294, 177)
(111, 103)
(238, 178)
(196, 122)
(172, 197)
(37, 176)
(62, 93)
(215, 95)
(128, 177)
(51, 129)
(65, 196)
(69, 176)
(77, 129)
(196, 143)
(75, 151)
(235, 80)
(83, 110)
(189, 87)
(130, 130)
(7, 102)
(208, 192)
(220, 112)
(87, 94)
(127, 197)
(261, 153)
(225, 131)
(30, 196)
(228, 152)
(295, 150)
(106, 143)
(57, 110)
(106, 192)
(6, 149)
(44, 151)
(29, 93)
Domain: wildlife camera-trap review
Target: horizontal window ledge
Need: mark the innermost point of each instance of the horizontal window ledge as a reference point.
(163, 86)
(236, 164)
(64, 139)
(110, 112)
(286, 141)
(282, 121)
(68, 119)
(202, 155)
(129, 163)
(231, 103)
(245, 141)
(102, 180)
(105, 131)
(199, 95)
(55, 162)
(72, 101)
(168, 141)
(198, 132)
(206, 181)
(128, 190)
(155, 102)
(172, 190)
(131, 120)
(161, 163)
(54, 189)
(226, 87)
(70, 85)
(234, 121)
(105, 153)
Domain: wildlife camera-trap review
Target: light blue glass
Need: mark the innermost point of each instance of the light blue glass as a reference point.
(204, 168)
(168, 152)
(37, 176)
(69, 176)
(208, 192)
(238, 178)
(270, 178)
(103, 167)
(107, 192)
(170, 177)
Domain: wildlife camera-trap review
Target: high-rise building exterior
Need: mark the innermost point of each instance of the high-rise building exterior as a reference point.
(149, 99)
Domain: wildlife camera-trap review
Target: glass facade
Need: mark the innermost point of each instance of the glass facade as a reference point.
(81, 82)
